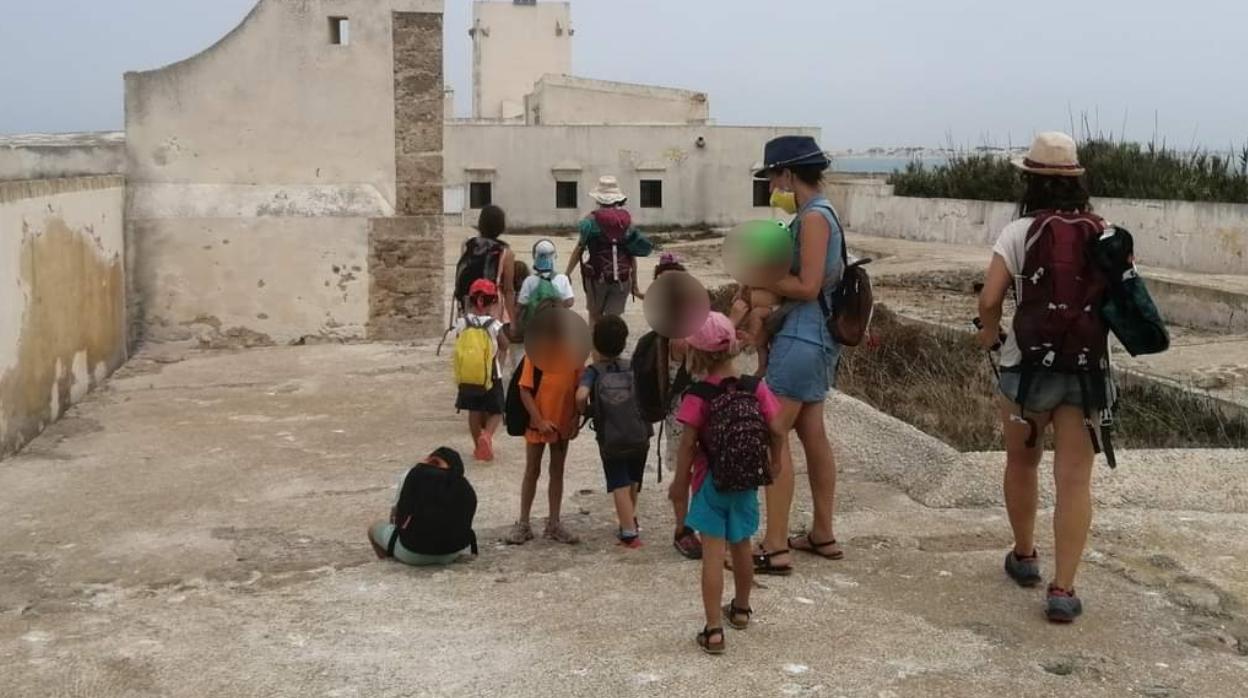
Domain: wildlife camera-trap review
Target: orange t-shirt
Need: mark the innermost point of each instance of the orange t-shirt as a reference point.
(556, 401)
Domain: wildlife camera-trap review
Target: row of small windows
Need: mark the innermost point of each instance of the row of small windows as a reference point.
(567, 194)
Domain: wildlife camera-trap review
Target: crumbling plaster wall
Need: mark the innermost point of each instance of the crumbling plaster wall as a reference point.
(257, 171)
(62, 303)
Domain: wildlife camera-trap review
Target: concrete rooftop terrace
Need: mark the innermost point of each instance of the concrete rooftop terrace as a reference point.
(197, 528)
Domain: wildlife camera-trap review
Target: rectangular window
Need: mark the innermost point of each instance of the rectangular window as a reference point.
(762, 193)
(339, 31)
(565, 195)
(480, 194)
(652, 193)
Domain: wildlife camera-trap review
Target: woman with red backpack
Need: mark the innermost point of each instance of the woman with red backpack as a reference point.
(609, 241)
(1054, 363)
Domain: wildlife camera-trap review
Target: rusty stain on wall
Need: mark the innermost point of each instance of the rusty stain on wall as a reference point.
(74, 321)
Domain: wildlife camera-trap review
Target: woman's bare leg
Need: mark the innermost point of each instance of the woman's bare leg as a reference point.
(1072, 474)
(821, 468)
(1020, 483)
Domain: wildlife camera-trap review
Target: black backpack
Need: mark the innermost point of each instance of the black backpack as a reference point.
(656, 390)
(434, 513)
(613, 403)
(735, 437)
(1128, 308)
(480, 260)
(515, 415)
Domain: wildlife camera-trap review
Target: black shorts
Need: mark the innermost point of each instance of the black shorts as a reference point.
(489, 402)
(623, 471)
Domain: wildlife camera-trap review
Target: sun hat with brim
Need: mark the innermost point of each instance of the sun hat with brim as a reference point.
(792, 151)
(608, 192)
(1052, 153)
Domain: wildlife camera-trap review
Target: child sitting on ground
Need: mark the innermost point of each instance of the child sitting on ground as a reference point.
(607, 393)
(479, 344)
(431, 520)
(729, 448)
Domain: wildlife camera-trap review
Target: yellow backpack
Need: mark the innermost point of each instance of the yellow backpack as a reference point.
(474, 356)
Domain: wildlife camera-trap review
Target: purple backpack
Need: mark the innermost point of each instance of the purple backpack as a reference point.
(736, 437)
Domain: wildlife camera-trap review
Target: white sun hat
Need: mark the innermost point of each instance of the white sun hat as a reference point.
(608, 192)
(1051, 153)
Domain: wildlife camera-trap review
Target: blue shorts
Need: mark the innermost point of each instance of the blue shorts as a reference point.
(1048, 391)
(732, 516)
(802, 371)
(624, 471)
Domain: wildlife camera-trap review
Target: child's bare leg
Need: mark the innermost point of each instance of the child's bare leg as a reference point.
(713, 552)
(738, 311)
(680, 509)
(474, 425)
(633, 491)
(490, 422)
(532, 471)
(558, 456)
(742, 572)
(624, 510)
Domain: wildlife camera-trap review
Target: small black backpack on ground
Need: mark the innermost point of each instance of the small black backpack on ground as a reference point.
(617, 419)
(515, 416)
(435, 510)
(735, 437)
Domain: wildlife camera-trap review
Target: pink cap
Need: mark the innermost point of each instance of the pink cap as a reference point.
(716, 334)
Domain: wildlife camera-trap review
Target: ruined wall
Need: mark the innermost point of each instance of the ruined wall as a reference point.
(1182, 235)
(257, 168)
(561, 99)
(707, 185)
(61, 155)
(62, 309)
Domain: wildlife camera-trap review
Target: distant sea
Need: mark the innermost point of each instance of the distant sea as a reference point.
(882, 164)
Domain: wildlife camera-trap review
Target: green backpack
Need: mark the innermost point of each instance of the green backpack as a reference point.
(544, 296)
(1128, 309)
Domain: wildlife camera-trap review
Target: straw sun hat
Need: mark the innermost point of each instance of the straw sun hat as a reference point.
(1052, 153)
(608, 192)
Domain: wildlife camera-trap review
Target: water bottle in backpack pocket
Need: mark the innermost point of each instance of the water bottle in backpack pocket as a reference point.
(735, 437)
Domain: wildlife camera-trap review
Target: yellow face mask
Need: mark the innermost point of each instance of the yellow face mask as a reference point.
(785, 201)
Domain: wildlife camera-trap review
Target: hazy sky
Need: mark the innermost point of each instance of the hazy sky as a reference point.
(870, 72)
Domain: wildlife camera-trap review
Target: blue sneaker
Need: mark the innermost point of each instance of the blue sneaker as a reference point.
(1025, 571)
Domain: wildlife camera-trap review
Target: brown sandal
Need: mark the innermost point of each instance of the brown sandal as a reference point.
(732, 612)
(764, 565)
(814, 547)
(704, 640)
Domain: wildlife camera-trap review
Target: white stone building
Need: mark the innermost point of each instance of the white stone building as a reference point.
(540, 138)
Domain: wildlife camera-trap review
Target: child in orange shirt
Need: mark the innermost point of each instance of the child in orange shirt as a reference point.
(550, 398)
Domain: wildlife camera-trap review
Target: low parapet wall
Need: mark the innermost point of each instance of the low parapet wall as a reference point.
(62, 313)
(1183, 235)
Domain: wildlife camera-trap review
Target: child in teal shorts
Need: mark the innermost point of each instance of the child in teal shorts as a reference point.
(725, 519)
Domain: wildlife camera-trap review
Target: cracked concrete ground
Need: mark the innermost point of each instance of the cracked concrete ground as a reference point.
(197, 528)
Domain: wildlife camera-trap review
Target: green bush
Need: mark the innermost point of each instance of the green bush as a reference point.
(1115, 169)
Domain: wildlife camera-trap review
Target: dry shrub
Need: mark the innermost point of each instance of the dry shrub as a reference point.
(937, 380)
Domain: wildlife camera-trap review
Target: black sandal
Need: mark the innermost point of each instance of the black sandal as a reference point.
(731, 611)
(704, 640)
(814, 547)
(764, 565)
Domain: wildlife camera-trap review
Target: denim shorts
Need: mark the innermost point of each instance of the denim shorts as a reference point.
(1048, 391)
(802, 371)
(732, 516)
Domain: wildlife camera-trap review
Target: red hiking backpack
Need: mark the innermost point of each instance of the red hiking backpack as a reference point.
(1058, 322)
(609, 257)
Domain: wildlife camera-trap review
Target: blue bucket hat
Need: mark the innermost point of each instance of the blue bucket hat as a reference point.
(792, 151)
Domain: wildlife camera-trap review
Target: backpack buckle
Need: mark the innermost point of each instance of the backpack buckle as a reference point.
(1049, 358)
(1035, 278)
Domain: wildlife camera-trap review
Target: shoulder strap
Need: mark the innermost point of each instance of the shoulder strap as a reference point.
(748, 384)
(706, 391)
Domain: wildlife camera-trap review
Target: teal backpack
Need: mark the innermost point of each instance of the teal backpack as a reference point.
(543, 297)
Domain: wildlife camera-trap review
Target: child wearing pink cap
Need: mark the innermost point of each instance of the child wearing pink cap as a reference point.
(724, 508)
